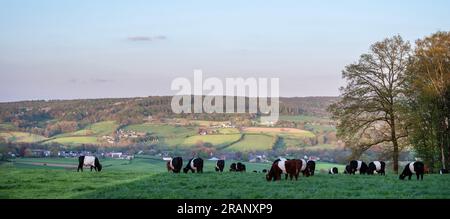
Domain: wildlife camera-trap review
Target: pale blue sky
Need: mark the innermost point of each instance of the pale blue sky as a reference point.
(89, 49)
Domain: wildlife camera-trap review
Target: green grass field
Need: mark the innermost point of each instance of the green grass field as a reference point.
(89, 135)
(287, 132)
(21, 137)
(7, 126)
(97, 129)
(75, 140)
(216, 140)
(253, 142)
(148, 178)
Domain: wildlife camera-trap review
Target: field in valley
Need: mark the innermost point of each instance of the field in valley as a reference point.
(148, 178)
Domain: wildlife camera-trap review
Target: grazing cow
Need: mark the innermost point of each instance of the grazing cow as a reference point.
(357, 165)
(283, 166)
(416, 167)
(333, 170)
(194, 164)
(255, 171)
(89, 161)
(303, 167)
(311, 167)
(240, 167)
(347, 169)
(233, 167)
(378, 166)
(443, 171)
(264, 171)
(220, 165)
(175, 164)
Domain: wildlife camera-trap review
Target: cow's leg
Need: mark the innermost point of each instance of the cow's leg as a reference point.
(91, 168)
(409, 177)
(421, 176)
(296, 177)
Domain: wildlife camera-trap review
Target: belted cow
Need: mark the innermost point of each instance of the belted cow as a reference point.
(415, 167)
(233, 167)
(194, 164)
(89, 161)
(283, 166)
(303, 167)
(378, 166)
(311, 167)
(175, 164)
(357, 165)
(333, 170)
(220, 165)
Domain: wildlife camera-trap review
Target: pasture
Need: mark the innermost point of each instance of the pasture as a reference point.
(148, 178)
(253, 142)
(21, 137)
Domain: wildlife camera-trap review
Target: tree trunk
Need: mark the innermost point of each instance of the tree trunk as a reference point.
(395, 155)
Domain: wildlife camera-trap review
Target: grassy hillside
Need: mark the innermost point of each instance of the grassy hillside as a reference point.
(97, 129)
(289, 132)
(21, 137)
(75, 140)
(216, 140)
(253, 142)
(89, 135)
(148, 178)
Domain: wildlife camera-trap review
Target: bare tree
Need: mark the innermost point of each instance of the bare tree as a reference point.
(369, 112)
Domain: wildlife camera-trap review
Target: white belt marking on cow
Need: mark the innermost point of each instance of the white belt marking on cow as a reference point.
(303, 165)
(192, 164)
(331, 171)
(171, 165)
(377, 165)
(89, 161)
(282, 165)
(359, 164)
(411, 167)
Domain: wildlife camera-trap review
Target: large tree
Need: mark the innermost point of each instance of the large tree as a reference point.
(370, 109)
(429, 94)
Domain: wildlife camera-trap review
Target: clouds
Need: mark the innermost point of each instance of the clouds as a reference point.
(146, 38)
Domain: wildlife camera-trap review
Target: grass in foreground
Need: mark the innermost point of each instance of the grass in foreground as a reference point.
(147, 178)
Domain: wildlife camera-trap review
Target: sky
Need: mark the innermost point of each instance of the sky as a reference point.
(76, 49)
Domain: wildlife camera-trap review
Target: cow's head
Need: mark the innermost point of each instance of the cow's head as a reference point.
(185, 170)
(402, 176)
(99, 167)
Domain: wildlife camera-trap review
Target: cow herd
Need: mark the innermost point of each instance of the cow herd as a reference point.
(289, 167)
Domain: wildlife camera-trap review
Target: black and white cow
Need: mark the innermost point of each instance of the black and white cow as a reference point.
(347, 169)
(264, 171)
(233, 167)
(358, 165)
(220, 165)
(303, 165)
(443, 171)
(378, 166)
(415, 167)
(175, 164)
(194, 164)
(311, 167)
(333, 170)
(89, 161)
(240, 167)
